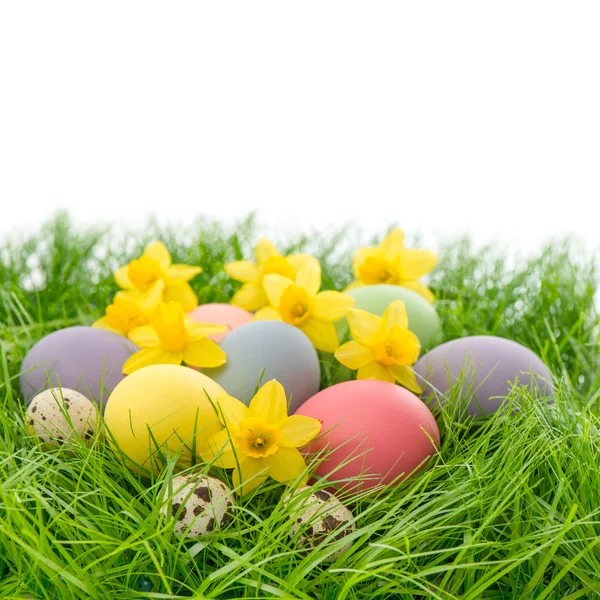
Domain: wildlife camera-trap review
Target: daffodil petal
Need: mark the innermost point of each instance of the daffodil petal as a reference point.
(269, 403)
(153, 297)
(297, 260)
(204, 353)
(308, 276)
(182, 293)
(182, 273)
(405, 376)
(298, 430)
(393, 244)
(323, 335)
(331, 306)
(230, 410)
(102, 324)
(363, 325)
(200, 331)
(219, 445)
(395, 316)
(375, 370)
(354, 355)
(416, 263)
(361, 255)
(250, 296)
(267, 314)
(243, 270)
(151, 356)
(122, 278)
(287, 464)
(421, 289)
(158, 251)
(274, 286)
(144, 336)
(253, 472)
(264, 250)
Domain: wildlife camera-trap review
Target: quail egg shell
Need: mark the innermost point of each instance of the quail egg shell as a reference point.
(58, 415)
(199, 505)
(316, 517)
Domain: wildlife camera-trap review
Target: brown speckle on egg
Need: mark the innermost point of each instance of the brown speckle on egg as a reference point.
(203, 493)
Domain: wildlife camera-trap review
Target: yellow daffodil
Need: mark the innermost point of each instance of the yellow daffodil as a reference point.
(391, 263)
(154, 265)
(172, 338)
(383, 347)
(251, 295)
(299, 303)
(260, 440)
(130, 310)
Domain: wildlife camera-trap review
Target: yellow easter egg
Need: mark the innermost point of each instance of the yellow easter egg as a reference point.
(160, 411)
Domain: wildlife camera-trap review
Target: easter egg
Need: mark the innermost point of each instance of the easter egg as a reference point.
(58, 416)
(85, 359)
(376, 432)
(265, 350)
(199, 505)
(318, 518)
(485, 367)
(160, 410)
(423, 321)
(220, 314)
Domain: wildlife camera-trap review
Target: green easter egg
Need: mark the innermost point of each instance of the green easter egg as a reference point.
(423, 321)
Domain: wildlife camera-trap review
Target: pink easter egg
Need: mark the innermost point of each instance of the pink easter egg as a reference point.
(221, 314)
(381, 431)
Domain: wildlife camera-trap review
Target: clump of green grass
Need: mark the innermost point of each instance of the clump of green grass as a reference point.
(509, 508)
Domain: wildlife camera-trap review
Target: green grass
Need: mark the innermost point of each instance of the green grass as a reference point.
(509, 508)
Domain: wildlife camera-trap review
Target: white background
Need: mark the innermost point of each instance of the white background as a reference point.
(442, 116)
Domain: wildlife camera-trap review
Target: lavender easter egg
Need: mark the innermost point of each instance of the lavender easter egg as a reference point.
(264, 350)
(85, 359)
(221, 314)
(373, 432)
(486, 368)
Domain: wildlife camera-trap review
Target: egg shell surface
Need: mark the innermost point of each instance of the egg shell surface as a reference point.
(317, 517)
(86, 359)
(169, 400)
(382, 429)
(199, 505)
(274, 350)
(57, 416)
(485, 367)
(220, 314)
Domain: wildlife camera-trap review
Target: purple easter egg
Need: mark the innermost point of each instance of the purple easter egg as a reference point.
(85, 359)
(486, 367)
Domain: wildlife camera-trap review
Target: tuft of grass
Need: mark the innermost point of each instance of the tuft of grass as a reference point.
(509, 508)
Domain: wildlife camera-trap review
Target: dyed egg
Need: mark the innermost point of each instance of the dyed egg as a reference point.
(161, 410)
(58, 416)
(198, 505)
(85, 359)
(316, 518)
(486, 368)
(265, 350)
(221, 314)
(423, 321)
(377, 432)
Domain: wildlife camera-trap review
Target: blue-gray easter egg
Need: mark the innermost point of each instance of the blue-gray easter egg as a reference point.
(486, 368)
(265, 350)
(85, 359)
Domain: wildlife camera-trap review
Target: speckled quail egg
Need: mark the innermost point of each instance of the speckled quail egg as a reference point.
(60, 415)
(316, 517)
(199, 505)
